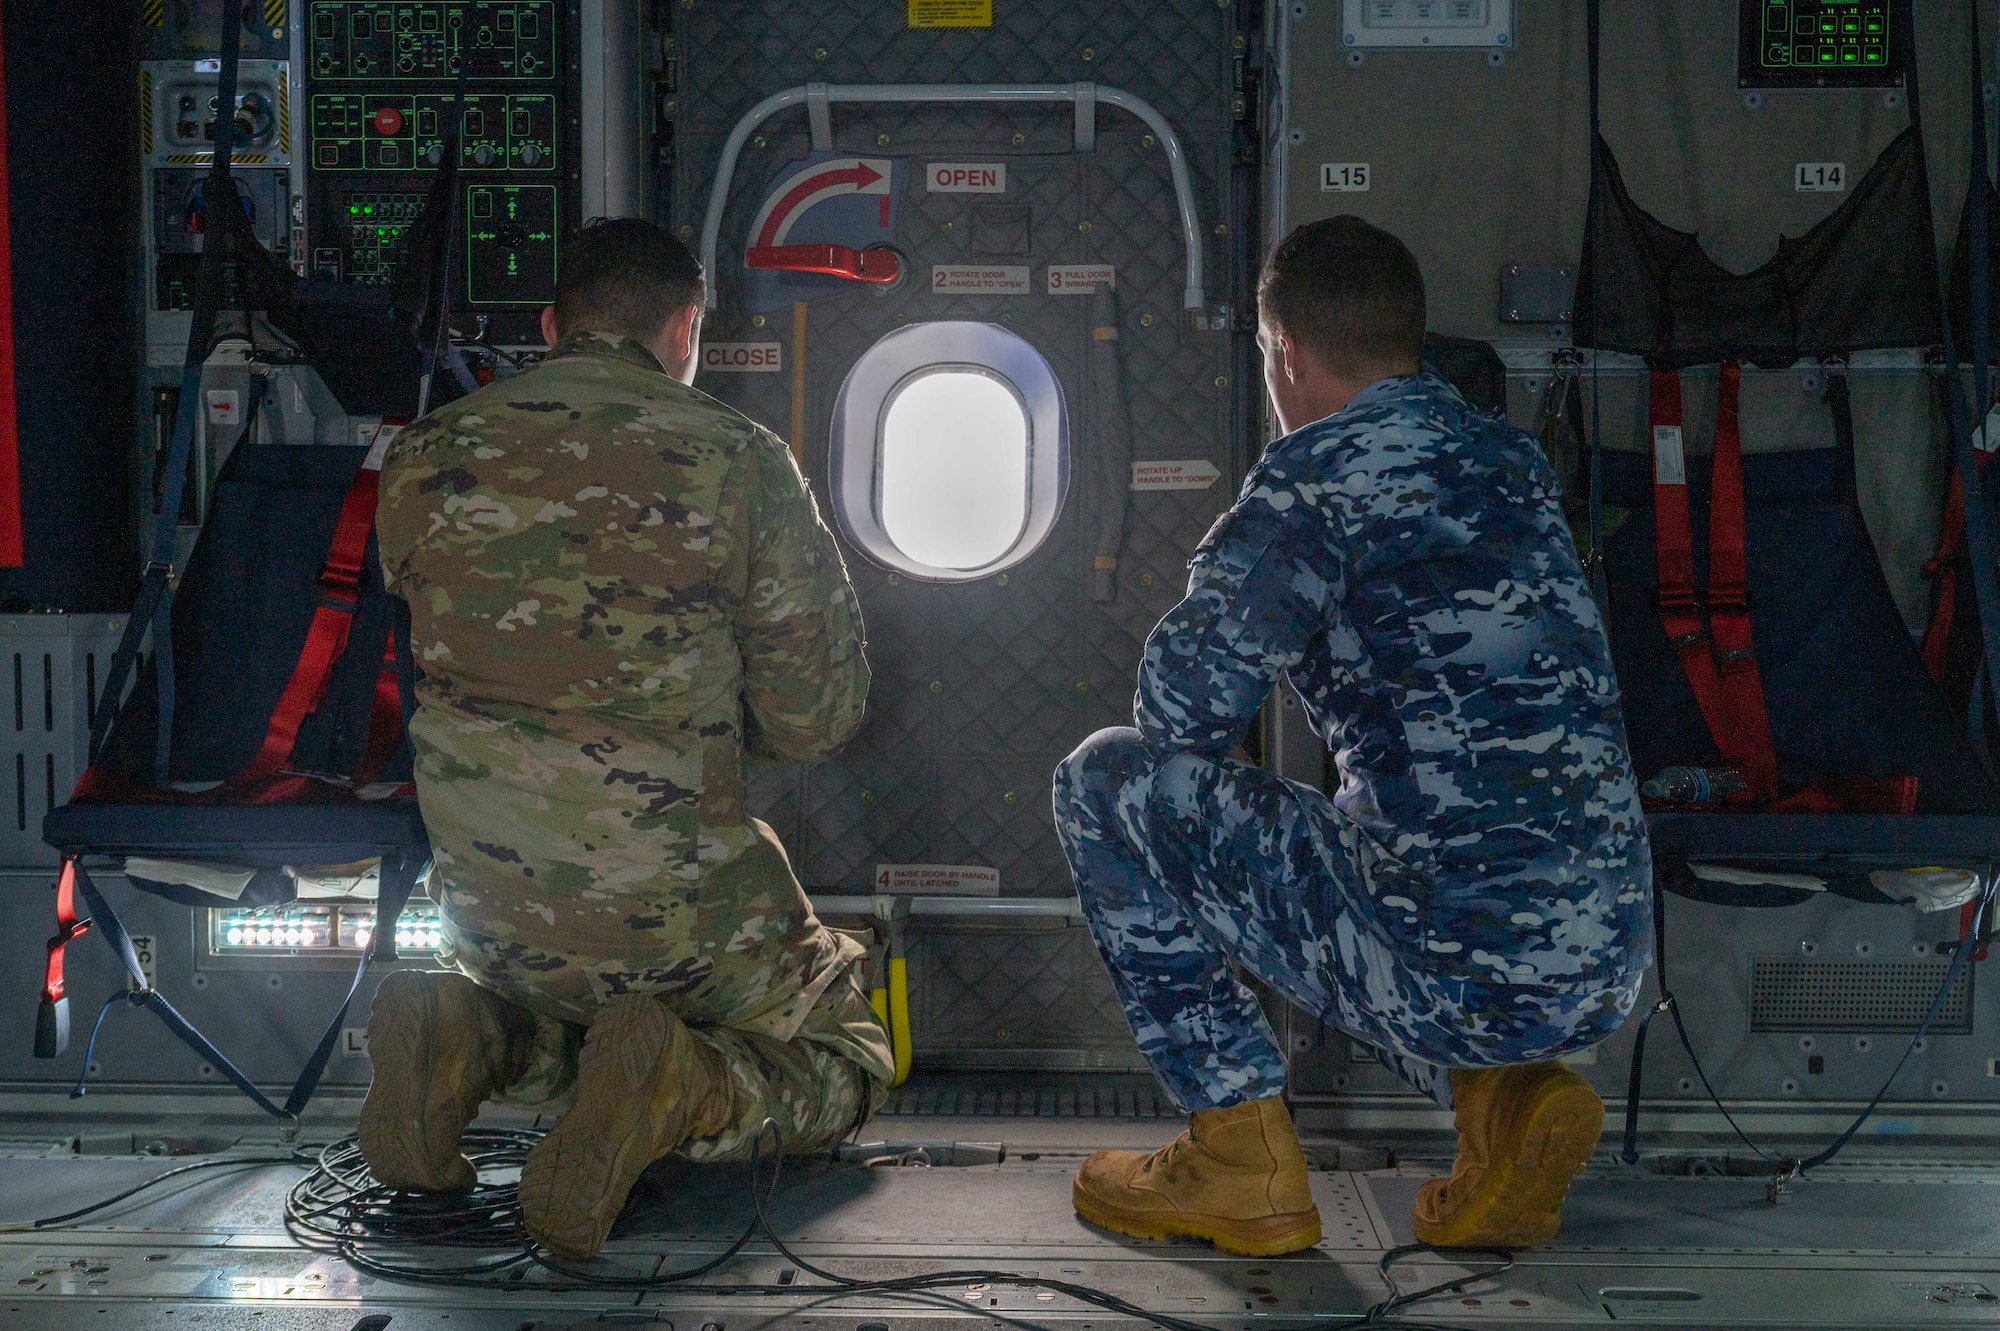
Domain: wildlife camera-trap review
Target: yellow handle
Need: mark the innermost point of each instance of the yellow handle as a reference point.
(878, 999)
(899, 1016)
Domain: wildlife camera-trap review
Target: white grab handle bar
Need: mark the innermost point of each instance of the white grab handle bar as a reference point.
(1192, 296)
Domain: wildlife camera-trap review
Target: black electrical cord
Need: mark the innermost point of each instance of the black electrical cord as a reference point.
(1382, 1313)
(228, 1162)
(339, 1207)
(1786, 1168)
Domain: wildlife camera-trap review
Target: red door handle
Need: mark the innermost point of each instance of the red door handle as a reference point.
(875, 266)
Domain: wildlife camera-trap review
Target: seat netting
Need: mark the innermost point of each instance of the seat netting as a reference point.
(1864, 278)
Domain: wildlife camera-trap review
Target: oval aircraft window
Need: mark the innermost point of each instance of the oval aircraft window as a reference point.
(954, 467)
(950, 451)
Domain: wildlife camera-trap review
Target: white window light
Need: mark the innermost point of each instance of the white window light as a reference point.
(953, 471)
(950, 451)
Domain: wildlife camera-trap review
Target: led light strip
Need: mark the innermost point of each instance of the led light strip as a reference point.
(317, 927)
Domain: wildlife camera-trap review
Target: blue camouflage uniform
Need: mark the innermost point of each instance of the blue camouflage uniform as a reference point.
(1477, 890)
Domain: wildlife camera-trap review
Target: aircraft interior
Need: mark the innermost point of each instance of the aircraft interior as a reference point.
(989, 268)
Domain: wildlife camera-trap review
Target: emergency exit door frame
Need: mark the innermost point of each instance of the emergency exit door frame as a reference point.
(817, 98)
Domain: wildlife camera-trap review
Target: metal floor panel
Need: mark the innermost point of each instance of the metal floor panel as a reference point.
(1880, 1245)
(1605, 1214)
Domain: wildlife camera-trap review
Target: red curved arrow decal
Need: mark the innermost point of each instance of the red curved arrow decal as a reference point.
(856, 178)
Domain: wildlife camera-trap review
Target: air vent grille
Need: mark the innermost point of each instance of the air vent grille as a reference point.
(1796, 994)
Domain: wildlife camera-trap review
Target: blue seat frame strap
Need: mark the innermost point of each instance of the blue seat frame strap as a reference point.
(398, 878)
(154, 606)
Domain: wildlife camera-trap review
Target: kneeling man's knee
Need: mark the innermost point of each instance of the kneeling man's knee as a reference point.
(1182, 783)
(1106, 760)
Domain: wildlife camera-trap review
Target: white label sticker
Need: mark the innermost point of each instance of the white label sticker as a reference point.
(1343, 177)
(1080, 279)
(743, 357)
(1669, 463)
(965, 178)
(1820, 177)
(225, 407)
(376, 436)
(1986, 435)
(979, 279)
(1196, 474)
(938, 880)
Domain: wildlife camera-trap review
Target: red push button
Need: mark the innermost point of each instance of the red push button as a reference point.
(388, 122)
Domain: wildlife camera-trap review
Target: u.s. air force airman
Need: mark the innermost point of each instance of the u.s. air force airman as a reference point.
(617, 587)
(1473, 901)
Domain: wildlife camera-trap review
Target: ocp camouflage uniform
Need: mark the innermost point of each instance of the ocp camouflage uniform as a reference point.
(1477, 890)
(616, 585)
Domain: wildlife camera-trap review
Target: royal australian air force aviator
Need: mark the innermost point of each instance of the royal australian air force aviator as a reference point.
(1406, 563)
(615, 582)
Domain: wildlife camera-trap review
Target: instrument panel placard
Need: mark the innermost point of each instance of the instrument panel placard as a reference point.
(378, 42)
(1817, 44)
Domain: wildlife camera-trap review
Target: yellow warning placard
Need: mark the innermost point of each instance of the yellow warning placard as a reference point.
(951, 13)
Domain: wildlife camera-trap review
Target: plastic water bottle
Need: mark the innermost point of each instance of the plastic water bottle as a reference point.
(1693, 785)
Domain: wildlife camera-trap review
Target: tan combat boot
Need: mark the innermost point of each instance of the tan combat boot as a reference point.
(644, 1085)
(1523, 1133)
(1236, 1177)
(440, 1045)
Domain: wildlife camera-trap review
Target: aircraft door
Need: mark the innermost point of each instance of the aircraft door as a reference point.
(970, 320)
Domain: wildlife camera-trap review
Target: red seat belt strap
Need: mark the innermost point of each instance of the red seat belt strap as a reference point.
(1943, 570)
(385, 719)
(326, 639)
(1680, 613)
(1748, 745)
(52, 1019)
(1673, 534)
(1721, 670)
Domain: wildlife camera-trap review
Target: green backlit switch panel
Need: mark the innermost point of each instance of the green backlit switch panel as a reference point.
(385, 80)
(405, 131)
(376, 226)
(378, 42)
(510, 244)
(1817, 43)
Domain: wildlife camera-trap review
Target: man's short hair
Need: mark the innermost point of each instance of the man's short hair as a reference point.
(626, 276)
(1349, 294)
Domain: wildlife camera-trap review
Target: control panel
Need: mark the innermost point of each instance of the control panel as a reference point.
(1427, 24)
(180, 221)
(1817, 44)
(178, 113)
(363, 40)
(381, 81)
